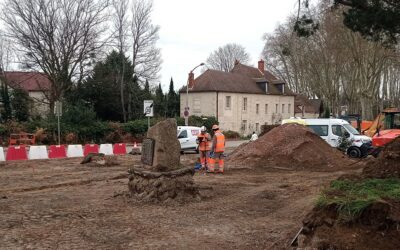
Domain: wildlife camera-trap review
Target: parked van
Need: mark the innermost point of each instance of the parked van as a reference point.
(331, 130)
(187, 136)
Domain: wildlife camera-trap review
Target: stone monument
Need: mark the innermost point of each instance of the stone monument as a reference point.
(161, 177)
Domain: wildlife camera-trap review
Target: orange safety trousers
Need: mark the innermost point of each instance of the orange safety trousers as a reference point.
(219, 159)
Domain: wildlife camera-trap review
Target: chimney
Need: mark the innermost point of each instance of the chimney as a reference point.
(261, 66)
(191, 80)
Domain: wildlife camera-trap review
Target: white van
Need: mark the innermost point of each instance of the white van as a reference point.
(331, 130)
(187, 136)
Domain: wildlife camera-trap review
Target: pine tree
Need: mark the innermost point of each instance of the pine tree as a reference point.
(172, 101)
(159, 102)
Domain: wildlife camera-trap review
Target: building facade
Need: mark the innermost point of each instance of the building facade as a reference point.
(242, 100)
(35, 84)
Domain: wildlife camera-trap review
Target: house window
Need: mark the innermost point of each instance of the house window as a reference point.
(227, 102)
(257, 108)
(276, 108)
(283, 108)
(289, 109)
(266, 108)
(196, 105)
(244, 125)
(244, 103)
(257, 127)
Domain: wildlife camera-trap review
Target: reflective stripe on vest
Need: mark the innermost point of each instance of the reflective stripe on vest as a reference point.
(220, 145)
(204, 145)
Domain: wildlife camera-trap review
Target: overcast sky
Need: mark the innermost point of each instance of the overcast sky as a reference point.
(190, 30)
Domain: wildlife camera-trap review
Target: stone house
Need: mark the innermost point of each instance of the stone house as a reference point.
(37, 86)
(242, 100)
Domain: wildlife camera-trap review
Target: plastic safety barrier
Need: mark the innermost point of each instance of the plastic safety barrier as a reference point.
(57, 151)
(2, 158)
(74, 151)
(37, 152)
(91, 148)
(106, 149)
(15, 153)
(119, 149)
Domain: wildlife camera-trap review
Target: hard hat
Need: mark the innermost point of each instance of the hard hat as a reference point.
(203, 129)
(215, 127)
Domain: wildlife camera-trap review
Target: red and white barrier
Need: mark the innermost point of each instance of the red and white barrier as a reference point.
(106, 149)
(57, 152)
(75, 151)
(90, 148)
(15, 153)
(119, 149)
(37, 153)
(2, 158)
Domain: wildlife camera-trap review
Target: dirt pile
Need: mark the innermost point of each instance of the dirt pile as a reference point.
(387, 164)
(289, 146)
(376, 228)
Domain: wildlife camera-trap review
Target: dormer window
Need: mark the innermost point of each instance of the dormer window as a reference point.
(280, 87)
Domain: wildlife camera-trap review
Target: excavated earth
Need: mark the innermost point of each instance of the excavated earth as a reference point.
(289, 146)
(62, 204)
(377, 227)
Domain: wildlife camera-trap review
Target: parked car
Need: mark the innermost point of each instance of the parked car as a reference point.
(331, 130)
(187, 136)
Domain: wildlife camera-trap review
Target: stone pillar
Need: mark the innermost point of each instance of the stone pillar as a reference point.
(162, 177)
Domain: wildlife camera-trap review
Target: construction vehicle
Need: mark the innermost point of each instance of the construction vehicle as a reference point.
(385, 128)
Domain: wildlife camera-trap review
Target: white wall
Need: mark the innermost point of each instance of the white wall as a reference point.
(204, 103)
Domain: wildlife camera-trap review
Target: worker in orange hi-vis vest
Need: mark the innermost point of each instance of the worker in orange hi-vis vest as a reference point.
(217, 150)
(204, 139)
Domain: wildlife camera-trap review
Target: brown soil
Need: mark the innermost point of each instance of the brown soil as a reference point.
(61, 204)
(376, 228)
(290, 146)
(387, 164)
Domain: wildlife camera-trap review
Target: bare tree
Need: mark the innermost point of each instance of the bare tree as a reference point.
(224, 57)
(146, 57)
(120, 22)
(61, 38)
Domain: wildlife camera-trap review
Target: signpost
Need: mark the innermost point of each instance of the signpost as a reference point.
(58, 113)
(148, 109)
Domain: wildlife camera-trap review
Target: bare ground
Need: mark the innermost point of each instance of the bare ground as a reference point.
(60, 204)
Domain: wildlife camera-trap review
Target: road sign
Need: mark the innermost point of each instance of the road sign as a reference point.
(58, 108)
(148, 107)
(186, 112)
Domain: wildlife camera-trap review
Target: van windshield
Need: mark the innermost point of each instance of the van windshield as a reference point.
(351, 129)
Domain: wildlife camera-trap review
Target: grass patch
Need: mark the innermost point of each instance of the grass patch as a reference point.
(352, 197)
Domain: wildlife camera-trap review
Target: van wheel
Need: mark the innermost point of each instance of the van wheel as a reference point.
(354, 152)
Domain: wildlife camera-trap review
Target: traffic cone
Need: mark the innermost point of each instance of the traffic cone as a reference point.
(135, 145)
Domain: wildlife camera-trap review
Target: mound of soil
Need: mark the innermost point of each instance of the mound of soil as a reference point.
(289, 146)
(387, 164)
(376, 228)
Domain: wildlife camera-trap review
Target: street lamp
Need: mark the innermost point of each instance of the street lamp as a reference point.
(186, 112)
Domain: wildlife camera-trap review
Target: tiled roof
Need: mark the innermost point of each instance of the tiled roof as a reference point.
(242, 79)
(28, 81)
(310, 105)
